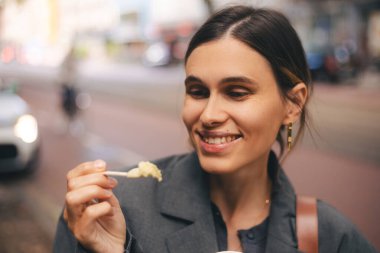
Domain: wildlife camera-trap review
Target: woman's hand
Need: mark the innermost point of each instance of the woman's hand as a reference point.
(92, 211)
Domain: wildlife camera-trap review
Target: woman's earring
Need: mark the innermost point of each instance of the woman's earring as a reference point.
(289, 139)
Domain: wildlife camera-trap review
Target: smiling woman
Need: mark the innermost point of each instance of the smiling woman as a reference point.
(232, 94)
(246, 81)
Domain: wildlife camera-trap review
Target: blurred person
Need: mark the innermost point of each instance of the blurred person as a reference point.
(70, 94)
(68, 69)
(247, 83)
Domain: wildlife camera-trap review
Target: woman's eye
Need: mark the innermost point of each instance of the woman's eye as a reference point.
(238, 93)
(198, 92)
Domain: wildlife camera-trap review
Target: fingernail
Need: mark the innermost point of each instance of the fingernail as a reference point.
(99, 164)
(112, 181)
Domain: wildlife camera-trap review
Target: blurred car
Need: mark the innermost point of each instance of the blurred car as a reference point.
(19, 138)
(323, 66)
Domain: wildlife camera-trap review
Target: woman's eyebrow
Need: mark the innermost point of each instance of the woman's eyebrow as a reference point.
(192, 78)
(238, 79)
(231, 79)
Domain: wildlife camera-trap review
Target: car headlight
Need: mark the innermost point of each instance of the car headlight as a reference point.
(26, 128)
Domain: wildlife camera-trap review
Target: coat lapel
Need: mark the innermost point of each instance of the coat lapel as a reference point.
(185, 196)
(194, 238)
(281, 230)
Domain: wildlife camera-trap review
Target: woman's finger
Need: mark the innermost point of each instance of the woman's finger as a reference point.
(87, 168)
(85, 226)
(86, 194)
(96, 211)
(79, 199)
(91, 179)
(114, 203)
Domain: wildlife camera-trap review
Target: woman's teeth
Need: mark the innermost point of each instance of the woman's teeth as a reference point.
(219, 140)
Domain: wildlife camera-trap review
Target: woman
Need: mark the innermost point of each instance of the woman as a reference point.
(246, 80)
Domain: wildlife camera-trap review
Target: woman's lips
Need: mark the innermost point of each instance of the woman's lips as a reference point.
(216, 142)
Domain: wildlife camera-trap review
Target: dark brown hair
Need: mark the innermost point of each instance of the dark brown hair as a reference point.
(270, 33)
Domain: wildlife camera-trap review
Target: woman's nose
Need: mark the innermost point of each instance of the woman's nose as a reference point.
(213, 113)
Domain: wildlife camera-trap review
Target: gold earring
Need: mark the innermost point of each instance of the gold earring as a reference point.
(290, 140)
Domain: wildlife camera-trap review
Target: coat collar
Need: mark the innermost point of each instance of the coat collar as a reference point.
(184, 195)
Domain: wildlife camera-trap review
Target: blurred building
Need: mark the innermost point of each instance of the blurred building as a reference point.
(340, 37)
(156, 31)
(42, 31)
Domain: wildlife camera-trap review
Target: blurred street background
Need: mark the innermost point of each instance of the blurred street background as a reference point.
(122, 61)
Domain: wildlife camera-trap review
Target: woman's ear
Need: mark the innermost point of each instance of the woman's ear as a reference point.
(298, 97)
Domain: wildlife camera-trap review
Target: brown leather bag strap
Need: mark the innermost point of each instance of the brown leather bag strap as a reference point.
(307, 224)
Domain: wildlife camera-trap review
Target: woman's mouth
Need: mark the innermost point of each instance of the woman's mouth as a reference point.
(216, 142)
(219, 140)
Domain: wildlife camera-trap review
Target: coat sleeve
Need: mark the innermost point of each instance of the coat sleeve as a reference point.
(337, 234)
(65, 242)
(354, 241)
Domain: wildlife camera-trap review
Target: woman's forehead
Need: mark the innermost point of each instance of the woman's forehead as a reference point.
(226, 56)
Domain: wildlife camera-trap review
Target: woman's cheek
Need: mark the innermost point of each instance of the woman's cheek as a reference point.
(190, 114)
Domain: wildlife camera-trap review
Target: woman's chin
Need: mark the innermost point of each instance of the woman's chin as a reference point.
(216, 165)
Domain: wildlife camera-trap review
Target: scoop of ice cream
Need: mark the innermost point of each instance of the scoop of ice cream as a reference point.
(146, 169)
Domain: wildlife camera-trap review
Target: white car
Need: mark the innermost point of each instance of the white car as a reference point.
(19, 138)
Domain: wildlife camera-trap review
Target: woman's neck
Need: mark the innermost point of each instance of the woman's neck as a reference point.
(242, 196)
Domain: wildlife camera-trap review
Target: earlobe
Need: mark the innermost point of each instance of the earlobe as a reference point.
(297, 99)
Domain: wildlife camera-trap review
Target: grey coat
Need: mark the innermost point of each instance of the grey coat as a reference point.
(175, 215)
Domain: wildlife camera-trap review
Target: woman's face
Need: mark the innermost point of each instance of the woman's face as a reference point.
(233, 109)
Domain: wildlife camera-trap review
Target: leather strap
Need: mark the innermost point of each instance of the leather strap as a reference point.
(307, 224)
